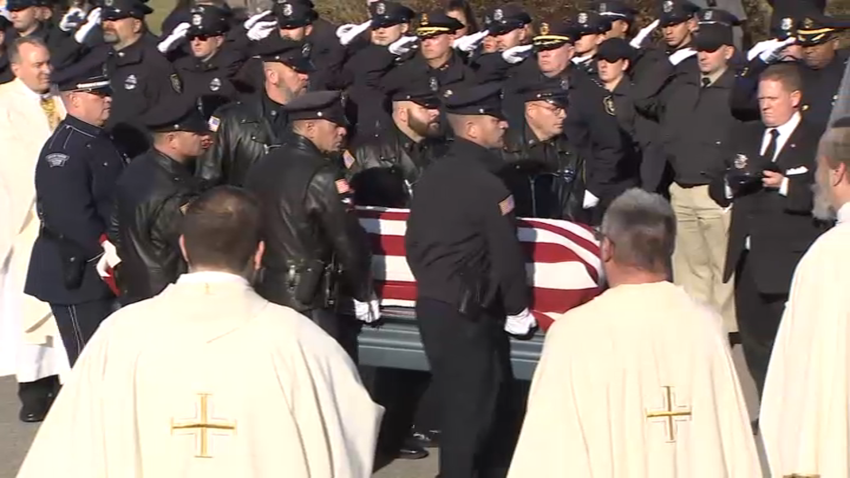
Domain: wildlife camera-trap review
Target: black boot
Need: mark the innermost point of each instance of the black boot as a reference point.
(36, 398)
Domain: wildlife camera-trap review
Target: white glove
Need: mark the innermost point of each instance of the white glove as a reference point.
(347, 33)
(92, 21)
(108, 260)
(367, 311)
(250, 22)
(520, 324)
(469, 43)
(769, 50)
(5, 13)
(71, 20)
(172, 40)
(644, 32)
(681, 55)
(403, 45)
(517, 54)
(261, 30)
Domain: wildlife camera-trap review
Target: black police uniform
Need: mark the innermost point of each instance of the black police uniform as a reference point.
(53, 37)
(150, 197)
(589, 23)
(546, 178)
(313, 237)
(75, 179)
(246, 130)
(326, 53)
(463, 250)
(6, 74)
(209, 80)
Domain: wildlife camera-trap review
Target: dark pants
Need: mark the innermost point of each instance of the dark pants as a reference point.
(401, 393)
(78, 322)
(469, 366)
(342, 328)
(759, 315)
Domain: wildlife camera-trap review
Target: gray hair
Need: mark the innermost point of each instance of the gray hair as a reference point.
(15, 48)
(834, 145)
(642, 227)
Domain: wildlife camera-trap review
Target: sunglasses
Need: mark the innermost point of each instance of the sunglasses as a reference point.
(201, 37)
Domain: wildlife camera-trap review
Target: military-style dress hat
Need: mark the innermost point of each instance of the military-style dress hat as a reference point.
(711, 37)
(181, 114)
(483, 99)
(436, 23)
(816, 28)
(506, 19)
(18, 5)
(409, 84)
(120, 9)
(554, 35)
(89, 75)
(551, 90)
(294, 54)
(616, 10)
(615, 49)
(717, 16)
(327, 105)
(207, 21)
(292, 14)
(590, 23)
(388, 14)
(783, 28)
(674, 12)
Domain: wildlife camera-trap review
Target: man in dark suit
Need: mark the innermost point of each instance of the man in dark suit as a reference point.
(768, 185)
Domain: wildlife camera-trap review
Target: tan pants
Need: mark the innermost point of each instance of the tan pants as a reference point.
(702, 236)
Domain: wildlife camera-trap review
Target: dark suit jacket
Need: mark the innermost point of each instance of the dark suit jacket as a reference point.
(780, 228)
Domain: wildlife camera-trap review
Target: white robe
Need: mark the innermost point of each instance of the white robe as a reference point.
(605, 368)
(290, 393)
(805, 409)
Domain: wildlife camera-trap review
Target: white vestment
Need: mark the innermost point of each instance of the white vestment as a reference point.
(30, 347)
(637, 383)
(805, 409)
(287, 400)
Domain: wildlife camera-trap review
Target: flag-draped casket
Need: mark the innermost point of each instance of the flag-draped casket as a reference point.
(562, 261)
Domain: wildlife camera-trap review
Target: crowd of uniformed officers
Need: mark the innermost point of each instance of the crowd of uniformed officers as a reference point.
(468, 124)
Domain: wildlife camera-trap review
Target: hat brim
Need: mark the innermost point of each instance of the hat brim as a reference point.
(502, 28)
(814, 37)
(195, 124)
(387, 22)
(431, 32)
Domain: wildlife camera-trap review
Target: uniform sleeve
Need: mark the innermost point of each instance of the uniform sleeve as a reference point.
(64, 185)
(744, 97)
(505, 252)
(330, 195)
(165, 234)
(208, 165)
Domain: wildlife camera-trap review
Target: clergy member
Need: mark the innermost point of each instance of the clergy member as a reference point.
(805, 409)
(639, 382)
(208, 379)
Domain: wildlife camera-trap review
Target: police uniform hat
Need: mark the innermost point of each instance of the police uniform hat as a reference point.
(207, 20)
(18, 5)
(506, 19)
(551, 90)
(615, 49)
(436, 23)
(554, 34)
(409, 84)
(120, 9)
(816, 28)
(484, 99)
(4, 23)
(713, 36)
(306, 3)
(713, 16)
(294, 54)
(783, 28)
(388, 14)
(89, 74)
(616, 10)
(674, 12)
(181, 114)
(591, 23)
(294, 14)
(327, 105)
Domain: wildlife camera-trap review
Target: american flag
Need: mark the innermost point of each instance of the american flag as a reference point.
(562, 261)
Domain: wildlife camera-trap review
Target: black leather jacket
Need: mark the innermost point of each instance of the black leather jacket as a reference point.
(145, 224)
(310, 229)
(383, 171)
(244, 134)
(547, 179)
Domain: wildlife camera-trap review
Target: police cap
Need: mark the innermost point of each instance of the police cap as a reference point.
(207, 20)
(485, 99)
(120, 9)
(713, 16)
(294, 54)
(409, 84)
(615, 49)
(306, 3)
(294, 15)
(674, 12)
(436, 23)
(506, 19)
(181, 114)
(388, 14)
(616, 10)
(327, 105)
(551, 90)
(816, 28)
(713, 36)
(591, 23)
(554, 35)
(18, 5)
(784, 27)
(89, 74)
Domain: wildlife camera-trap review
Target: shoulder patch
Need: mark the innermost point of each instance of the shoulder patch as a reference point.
(342, 186)
(507, 205)
(348, 159)
(213, 123)
(57, 160)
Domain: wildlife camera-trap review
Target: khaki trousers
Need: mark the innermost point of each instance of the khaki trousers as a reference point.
(702, 236)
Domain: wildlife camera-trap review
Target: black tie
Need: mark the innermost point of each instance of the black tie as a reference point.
(706, 82)
(770, 152)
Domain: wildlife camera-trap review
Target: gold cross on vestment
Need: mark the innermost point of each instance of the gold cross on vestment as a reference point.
(201, 426)
(669, 415)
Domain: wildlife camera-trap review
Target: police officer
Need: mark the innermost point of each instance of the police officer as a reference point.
(25, 22)
(590, 31)
(678, 23)
(150, 197)
(75, 180)
(246, 130)
(300, 22)
(6, 74)
(464, 253)
(544, 172)
(436, 58)
(620, 15)
(311, 230)
(208, 73)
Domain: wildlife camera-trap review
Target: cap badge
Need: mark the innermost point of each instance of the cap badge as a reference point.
(131, 82)
(305, 50)
(448, 93)
(582, 18)
(808, 23)
(109, 3)
(487, 20)
(381, 8)
(544, 29)
(433, 84)
(667, 6)
(603, 7)
(741, 161)
(708, 15)
(215, 84)
(197, 19)
(498, 15)
(424, 20)
(787, 24)
(287, 9)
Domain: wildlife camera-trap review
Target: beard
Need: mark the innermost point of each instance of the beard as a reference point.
(110, 37)
(426, 129)
(822, 209)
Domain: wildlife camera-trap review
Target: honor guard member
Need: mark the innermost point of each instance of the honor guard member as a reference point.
(620, 15)
(246, 130)
(141, 76)
(590, 30)
(436, 58)
(463, 250)
(75, 181)
(300, 22)
(622, 18)
(678, 23)
(151, 196)
(314, 242)
(24, 16)
(208, 72)
(544, 172)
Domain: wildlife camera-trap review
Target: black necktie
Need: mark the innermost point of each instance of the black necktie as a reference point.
(770, 152)
(706, 82)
